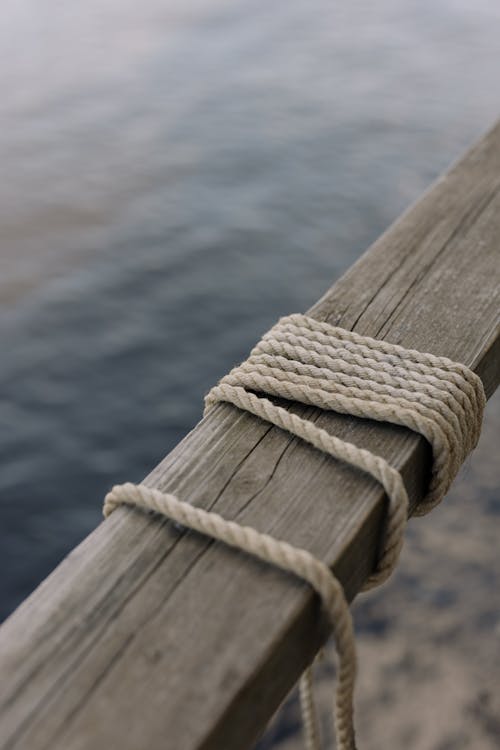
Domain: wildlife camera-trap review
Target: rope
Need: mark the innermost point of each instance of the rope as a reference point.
(303, 360)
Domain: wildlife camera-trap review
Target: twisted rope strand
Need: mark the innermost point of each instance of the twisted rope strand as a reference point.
(309, 715)
(283, 555)
(314, 363)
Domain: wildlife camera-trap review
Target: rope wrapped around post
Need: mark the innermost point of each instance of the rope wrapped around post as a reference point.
(314, 363)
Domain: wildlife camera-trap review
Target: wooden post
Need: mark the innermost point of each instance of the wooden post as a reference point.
(148, 636)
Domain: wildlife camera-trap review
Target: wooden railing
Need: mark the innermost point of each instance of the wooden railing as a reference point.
(148, 637)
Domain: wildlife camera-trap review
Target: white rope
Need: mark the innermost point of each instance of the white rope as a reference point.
(303, 360)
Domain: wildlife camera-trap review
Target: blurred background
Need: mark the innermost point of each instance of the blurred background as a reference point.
(175, 176)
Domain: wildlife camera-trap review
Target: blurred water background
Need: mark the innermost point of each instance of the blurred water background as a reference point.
(175, 176)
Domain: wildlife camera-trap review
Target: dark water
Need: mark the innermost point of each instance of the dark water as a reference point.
(174, 177)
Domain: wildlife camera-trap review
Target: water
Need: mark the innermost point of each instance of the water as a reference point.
(175, 176)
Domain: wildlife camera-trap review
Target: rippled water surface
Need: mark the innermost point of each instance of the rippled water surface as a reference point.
(175, 175)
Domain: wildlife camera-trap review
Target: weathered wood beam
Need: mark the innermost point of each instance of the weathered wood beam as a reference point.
(147, 636)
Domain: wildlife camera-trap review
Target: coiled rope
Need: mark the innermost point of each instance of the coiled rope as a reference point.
(303, 360)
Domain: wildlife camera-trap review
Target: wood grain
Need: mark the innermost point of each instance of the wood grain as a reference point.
(148, 636)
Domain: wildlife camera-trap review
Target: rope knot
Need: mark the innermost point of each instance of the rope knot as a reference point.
(314, 363)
